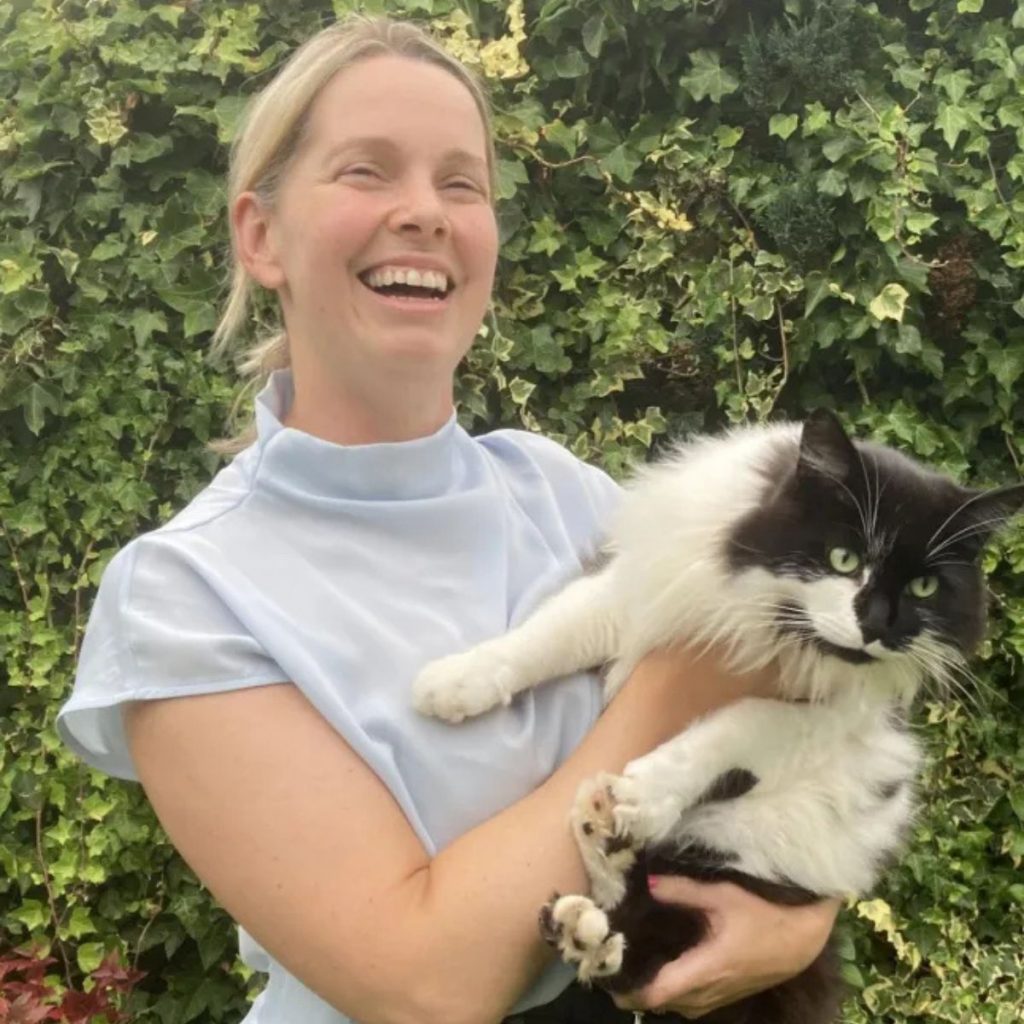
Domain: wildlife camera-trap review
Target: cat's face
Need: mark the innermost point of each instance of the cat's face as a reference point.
(873, 558)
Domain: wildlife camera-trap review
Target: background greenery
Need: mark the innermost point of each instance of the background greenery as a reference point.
(711, 211)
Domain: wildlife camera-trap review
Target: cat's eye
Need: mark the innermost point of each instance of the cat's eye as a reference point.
(844, 560)
(923, 586)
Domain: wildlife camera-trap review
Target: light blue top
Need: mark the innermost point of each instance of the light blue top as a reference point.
(343, 569)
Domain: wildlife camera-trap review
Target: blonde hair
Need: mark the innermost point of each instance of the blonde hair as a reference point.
(273, 129)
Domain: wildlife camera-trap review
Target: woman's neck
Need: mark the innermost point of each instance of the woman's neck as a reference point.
(396, 410)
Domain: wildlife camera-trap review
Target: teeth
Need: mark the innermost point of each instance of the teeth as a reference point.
(383, 276)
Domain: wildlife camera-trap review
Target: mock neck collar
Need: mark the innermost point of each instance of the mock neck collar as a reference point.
(290, 459)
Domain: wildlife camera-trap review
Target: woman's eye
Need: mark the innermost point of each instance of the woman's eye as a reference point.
(843, 560)
(362, 172)
(924, 586)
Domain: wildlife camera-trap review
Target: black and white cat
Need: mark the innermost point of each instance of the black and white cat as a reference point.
(852, 566)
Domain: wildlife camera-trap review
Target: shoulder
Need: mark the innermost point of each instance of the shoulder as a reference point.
(525, 452)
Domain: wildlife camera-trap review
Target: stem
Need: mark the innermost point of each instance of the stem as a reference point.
(785, 349)
(16, 565)
(54, 916)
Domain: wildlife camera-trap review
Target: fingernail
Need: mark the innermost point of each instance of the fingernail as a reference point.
(652, 882)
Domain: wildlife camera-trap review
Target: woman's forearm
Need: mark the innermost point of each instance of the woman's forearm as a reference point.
(478, 899)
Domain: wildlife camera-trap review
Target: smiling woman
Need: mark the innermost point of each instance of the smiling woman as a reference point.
(391, 175)
(251, 661)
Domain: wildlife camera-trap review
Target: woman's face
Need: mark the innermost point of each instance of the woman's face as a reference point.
(392, 176)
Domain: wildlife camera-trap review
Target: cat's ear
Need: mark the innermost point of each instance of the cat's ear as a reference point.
(989, 511)
(825, 450)
(978, 517)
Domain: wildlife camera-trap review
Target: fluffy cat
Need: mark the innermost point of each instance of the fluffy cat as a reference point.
(855, 568)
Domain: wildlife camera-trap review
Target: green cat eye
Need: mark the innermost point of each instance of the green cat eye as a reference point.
(924, 586)
(844, 560)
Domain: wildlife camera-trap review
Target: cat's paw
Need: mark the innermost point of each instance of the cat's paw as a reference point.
(580, 931)
(644, 807)
(607, 853)
(593, 815)
(463, 685)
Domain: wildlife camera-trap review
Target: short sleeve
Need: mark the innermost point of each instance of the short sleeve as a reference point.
(587, 497)
(158, 628)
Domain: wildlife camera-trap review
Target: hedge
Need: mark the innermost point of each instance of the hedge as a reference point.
(711, 212)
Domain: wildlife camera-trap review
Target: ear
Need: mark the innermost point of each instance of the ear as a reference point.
(990, 511)
(978, 517)
(254, 246)
(825, 450)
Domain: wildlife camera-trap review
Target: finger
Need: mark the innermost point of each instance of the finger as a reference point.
(687, 975)
(626, 1002)
(677, 889)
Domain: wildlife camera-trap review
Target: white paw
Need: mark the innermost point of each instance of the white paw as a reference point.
(463, 685)
(645, 808)
(606, 852)
(580, 931)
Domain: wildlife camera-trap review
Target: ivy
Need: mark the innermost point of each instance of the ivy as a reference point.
(710, 213)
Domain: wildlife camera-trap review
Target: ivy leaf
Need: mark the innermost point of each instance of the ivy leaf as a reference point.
(970, 6)
(520, 390)
(39, 399)
(832, 182)
(708, 78)
(559, 134)
(511, 174)
(622, 163)
(951, 122)
(571, 64)
(145, 322)
(1007, 365)
(953, 83)
(80, 924)
(595, 31)
(889, 303)
(783, 125)
(90, 956)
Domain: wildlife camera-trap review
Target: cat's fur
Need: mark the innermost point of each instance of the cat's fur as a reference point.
(733, 541)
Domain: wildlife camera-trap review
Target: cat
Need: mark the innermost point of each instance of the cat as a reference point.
(849, 564)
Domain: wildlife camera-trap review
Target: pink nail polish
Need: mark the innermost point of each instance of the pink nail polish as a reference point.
(652, 882)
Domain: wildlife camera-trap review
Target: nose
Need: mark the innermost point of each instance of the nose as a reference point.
(876, 616)
(419, 210)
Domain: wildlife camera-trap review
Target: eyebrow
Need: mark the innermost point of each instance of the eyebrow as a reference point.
(381, 142)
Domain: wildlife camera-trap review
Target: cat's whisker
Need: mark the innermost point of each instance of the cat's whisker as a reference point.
(960, 508)
(972, 686)
(948, 670)
(982, 526)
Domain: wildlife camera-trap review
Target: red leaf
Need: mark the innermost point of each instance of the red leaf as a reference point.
(33, 967)
(113, 974)
(81, 1007)
(26, 1010)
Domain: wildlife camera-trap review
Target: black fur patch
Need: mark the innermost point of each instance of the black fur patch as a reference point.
(729, 786)
(887, 791)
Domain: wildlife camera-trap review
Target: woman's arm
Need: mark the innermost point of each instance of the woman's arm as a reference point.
(306, 848)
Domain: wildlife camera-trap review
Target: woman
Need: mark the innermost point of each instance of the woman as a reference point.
(250, 662)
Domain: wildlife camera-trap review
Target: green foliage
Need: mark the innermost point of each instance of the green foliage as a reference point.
(818, 56)
(711, 212)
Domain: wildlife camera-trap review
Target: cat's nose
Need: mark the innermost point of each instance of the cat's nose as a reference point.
(875, 617)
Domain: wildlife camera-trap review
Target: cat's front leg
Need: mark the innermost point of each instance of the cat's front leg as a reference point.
(575, 629)
(582, 934)
(711, 760)
(607, 854)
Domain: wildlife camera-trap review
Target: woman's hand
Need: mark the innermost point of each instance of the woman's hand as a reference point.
(751, 945)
